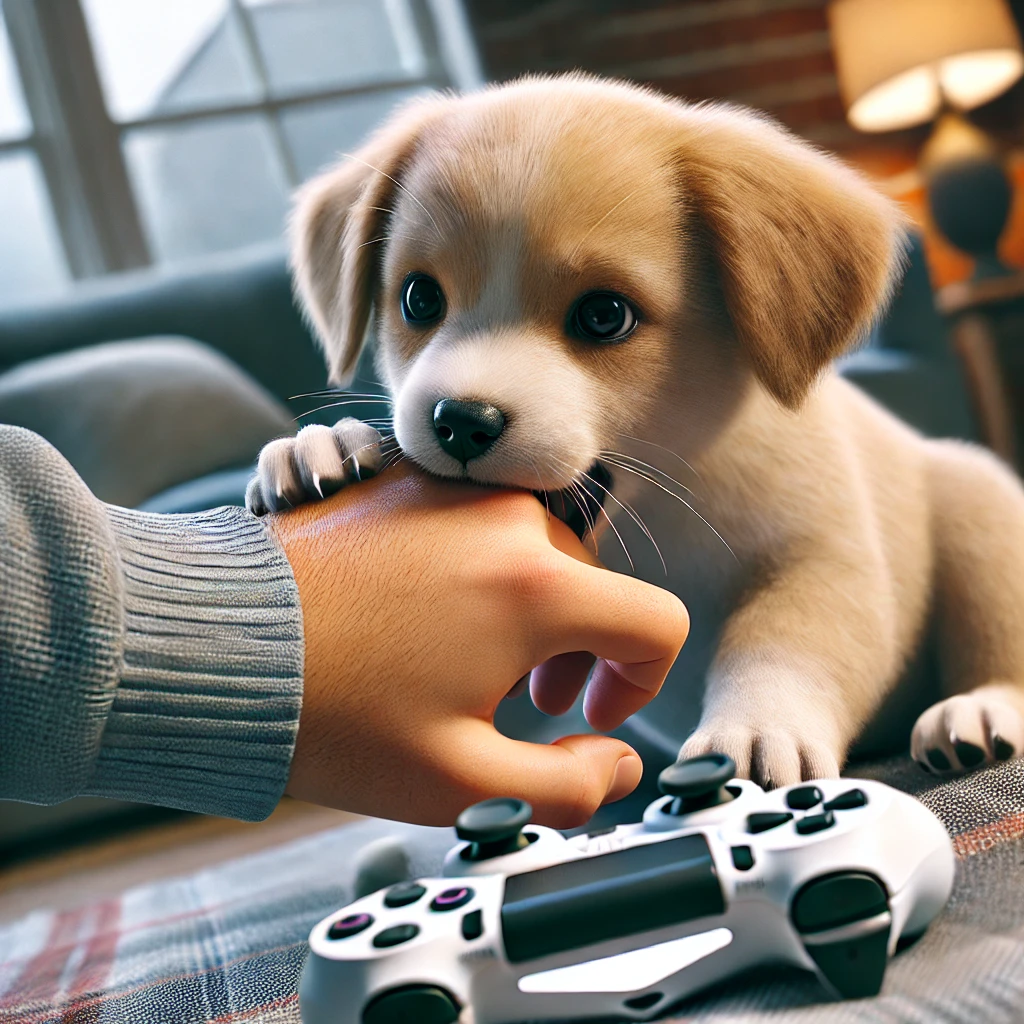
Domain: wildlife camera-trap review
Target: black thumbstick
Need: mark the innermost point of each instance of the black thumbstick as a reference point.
(697, 782)
(494, 827)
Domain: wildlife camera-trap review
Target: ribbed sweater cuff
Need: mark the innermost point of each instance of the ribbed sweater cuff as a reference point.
(207, 709)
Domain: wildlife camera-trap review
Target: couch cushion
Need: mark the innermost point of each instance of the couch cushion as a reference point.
(137, 417)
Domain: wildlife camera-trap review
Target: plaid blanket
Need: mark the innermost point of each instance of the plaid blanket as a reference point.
(228, 944)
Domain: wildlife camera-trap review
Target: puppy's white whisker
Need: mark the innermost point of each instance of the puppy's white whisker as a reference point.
(608, 492)
(668, 451)
(651, 469)
(604, 512)
(330, 405)
(570, 490)
(628, 509)
(672, 494)
(352, 156)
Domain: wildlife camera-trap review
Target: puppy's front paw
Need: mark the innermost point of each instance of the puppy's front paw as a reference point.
(970, 730)
(770, 757)
(314, 464)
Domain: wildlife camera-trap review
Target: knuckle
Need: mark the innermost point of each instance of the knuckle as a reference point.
(533, 578)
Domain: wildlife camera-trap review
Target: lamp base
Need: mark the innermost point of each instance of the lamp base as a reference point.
(969, 191)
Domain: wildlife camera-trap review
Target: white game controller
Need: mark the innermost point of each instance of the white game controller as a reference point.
(623, 922)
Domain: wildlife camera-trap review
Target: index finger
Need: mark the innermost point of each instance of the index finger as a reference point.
(636, 628)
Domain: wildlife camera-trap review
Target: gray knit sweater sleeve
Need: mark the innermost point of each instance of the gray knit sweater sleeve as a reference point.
(144, 657)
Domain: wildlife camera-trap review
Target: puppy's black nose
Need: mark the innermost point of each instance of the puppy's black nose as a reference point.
(467, 429)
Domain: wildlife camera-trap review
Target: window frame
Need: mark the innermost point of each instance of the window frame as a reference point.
(79, 145)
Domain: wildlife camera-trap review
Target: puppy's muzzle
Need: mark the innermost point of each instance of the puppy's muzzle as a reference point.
(465, 430)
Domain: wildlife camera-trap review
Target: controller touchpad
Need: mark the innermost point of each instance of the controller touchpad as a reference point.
(582, 902)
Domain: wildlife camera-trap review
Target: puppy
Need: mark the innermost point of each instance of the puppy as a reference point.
(571, 277)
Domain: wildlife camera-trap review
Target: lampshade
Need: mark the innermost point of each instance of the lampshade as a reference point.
(896, 59)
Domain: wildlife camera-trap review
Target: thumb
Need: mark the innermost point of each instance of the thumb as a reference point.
(565, 781)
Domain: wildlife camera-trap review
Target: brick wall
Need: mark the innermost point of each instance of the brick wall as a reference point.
(771, 54)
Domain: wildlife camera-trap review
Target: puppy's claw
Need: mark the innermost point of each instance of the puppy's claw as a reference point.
(771, 758)
(313, 465)
(970, 730)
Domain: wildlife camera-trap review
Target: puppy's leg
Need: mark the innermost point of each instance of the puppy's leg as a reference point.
(800, 666)
(314, 464)
(978, 530)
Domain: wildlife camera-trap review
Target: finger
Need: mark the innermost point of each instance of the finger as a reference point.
(611, 697)
(637, 627)
(555, 685)
(565, 782)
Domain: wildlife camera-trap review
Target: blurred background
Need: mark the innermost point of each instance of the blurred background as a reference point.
(148, 149)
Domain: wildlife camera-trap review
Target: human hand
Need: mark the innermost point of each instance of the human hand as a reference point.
(423, 603)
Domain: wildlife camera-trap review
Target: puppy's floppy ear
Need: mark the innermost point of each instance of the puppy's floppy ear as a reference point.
(806, 249)
(335, 219)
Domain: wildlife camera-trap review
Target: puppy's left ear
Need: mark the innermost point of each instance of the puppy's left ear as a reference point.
(337, 220)
(806, 250)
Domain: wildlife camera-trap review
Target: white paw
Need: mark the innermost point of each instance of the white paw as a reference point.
(770, 757)
(967, 731)
(314, 464)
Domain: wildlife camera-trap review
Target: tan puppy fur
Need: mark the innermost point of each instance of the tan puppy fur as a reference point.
(828, 544)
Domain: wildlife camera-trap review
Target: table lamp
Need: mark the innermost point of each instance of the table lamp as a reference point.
(903, 63)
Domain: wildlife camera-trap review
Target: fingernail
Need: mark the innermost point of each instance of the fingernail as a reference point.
(969, 754)
(628, 770)
(1003, 750)
(938, 760)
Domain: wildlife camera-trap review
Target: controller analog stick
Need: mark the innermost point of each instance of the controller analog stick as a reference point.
(493, 827)
(412, 1004)
(697, 782)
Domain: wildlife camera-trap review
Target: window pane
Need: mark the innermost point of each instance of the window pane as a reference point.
(207, 186)
(318, 133)
(31, 262)
(14, 122)
(309, 44)
(155, 56)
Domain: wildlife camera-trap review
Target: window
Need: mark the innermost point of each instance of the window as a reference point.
(143, 131)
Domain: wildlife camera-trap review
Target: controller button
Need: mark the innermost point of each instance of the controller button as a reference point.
(404, 894)
(803, 798)
(742, 858)
(815, 823)
(765, 820)
(697, 783)
(493, 827)
(396, 935)
(855, 966)
(452, 899)
(423, 1004)
(837, 900)
(473, 925)
(349, 926)
(847, 801)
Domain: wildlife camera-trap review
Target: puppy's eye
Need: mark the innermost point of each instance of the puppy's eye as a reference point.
(602, 316)
(422, 300)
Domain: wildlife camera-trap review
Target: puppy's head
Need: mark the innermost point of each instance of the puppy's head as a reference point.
(554, 262)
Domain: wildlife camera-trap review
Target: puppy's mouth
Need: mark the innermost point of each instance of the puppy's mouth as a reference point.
(579, 506)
